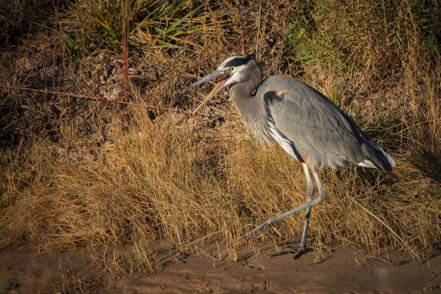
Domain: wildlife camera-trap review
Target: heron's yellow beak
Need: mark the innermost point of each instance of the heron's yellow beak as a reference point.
(219, 86)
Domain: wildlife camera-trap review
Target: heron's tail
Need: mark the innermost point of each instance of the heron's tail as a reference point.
(376, 157)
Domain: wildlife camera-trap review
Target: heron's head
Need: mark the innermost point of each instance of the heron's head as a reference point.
(231, 71)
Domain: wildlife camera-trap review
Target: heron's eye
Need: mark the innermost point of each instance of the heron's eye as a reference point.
(230, 69)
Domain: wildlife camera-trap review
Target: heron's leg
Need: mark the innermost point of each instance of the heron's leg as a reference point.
(321, 196)
(311, 202)
(310, 193)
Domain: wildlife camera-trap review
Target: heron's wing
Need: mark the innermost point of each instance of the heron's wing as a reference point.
(318, 129)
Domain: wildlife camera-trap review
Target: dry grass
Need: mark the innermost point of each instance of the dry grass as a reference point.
(187, 180)
(160, 182)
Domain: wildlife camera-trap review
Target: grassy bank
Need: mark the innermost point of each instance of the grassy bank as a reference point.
(87, 174)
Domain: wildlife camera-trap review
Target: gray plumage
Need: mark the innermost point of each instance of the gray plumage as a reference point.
(304, 122)
(320, 134)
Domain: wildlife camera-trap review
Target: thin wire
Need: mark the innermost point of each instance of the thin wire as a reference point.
(258, 29)
(125, 51)
(95, 98)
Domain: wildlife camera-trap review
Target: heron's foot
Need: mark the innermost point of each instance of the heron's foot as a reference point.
(252, 235)
(301, 250)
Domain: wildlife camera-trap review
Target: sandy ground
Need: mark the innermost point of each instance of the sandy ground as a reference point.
(343, 271)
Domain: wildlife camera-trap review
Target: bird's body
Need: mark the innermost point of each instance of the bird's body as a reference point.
(304, 122)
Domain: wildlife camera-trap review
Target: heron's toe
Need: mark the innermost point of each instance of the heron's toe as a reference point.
(252, 235)
(300, 251)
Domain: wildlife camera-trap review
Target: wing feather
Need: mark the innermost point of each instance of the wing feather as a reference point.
(317, 128)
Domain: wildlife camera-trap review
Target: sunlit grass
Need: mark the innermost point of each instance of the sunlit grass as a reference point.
(152, 24)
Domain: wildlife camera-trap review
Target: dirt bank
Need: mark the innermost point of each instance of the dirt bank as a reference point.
(344, 270)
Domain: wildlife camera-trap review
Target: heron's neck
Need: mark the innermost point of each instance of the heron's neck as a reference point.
(250, 106)
(243, 91)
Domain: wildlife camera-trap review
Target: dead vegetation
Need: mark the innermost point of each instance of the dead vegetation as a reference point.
(87, 174)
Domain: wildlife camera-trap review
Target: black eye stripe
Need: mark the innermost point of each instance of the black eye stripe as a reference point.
(238, 61)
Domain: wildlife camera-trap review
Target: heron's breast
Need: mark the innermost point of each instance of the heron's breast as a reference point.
(258, 126)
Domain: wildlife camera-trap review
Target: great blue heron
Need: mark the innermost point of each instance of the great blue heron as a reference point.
(304, 122)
